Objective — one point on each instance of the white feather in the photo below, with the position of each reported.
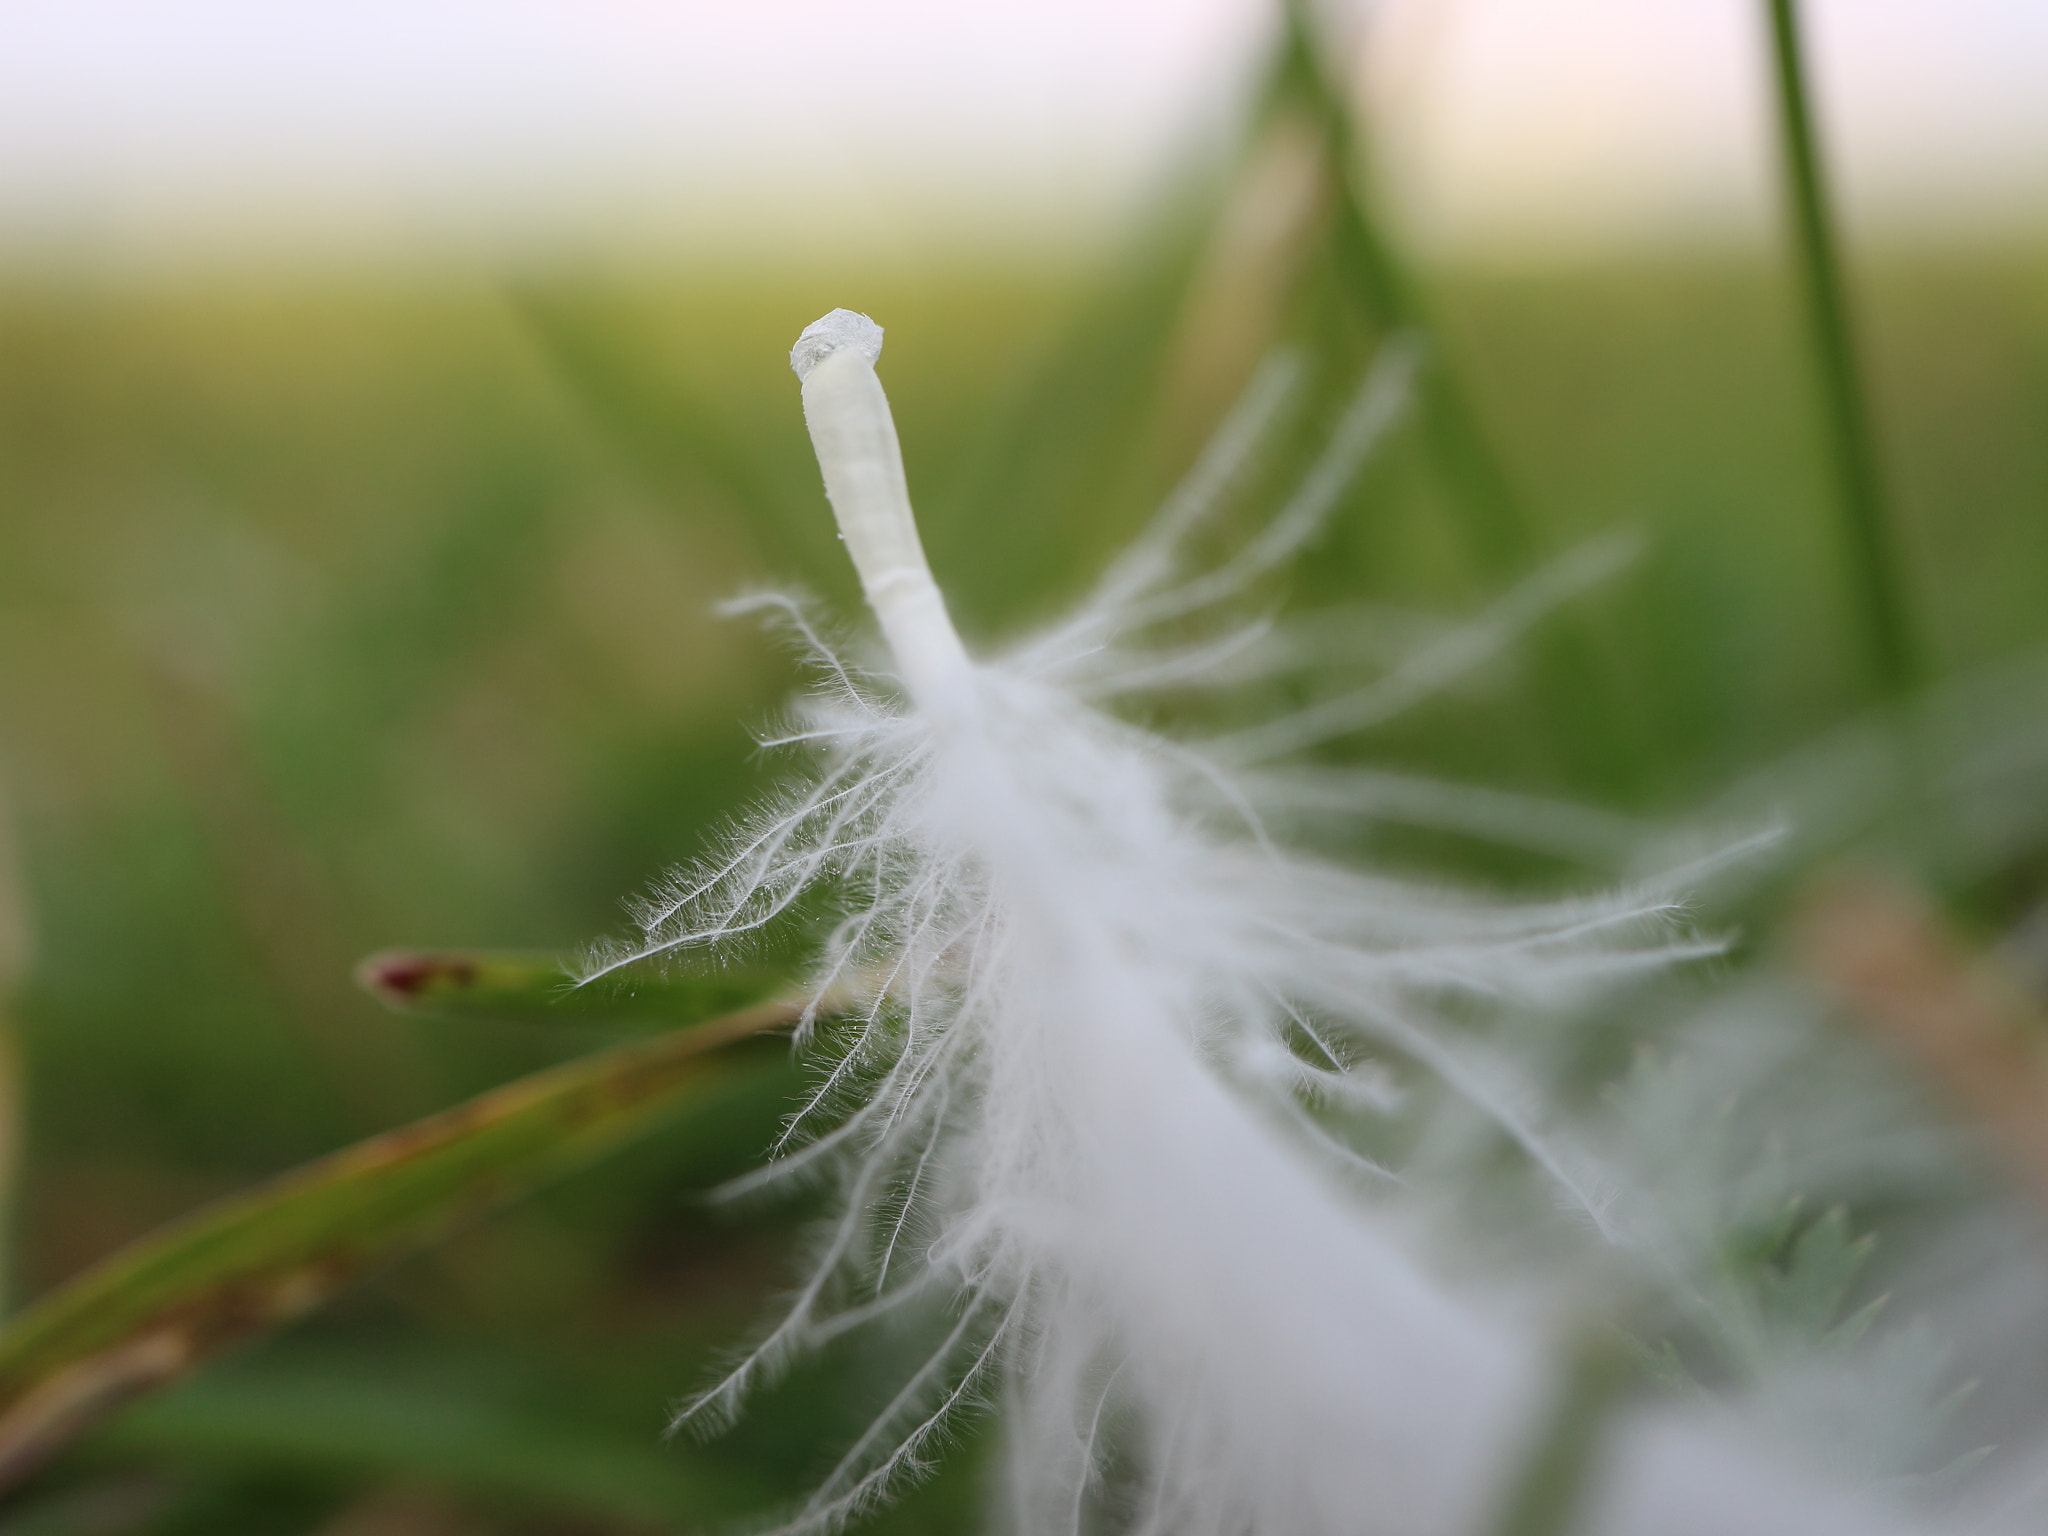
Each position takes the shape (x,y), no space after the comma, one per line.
(1094,990)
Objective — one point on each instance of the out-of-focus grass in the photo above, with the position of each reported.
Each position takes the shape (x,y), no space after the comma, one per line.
(333,618)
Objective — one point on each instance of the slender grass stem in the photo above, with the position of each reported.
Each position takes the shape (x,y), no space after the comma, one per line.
(1499,525)
(1561,1466)
(1499,530)
(17,944)
(1874,560)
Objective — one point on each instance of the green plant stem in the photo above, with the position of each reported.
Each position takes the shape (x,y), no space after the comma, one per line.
(1498,523)
(1499,530)
(17,949)
(1549,1493)
(11,1145)
(1867,522)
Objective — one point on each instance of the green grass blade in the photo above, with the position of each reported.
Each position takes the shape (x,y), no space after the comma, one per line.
(527,986)
(1560,1469)
(17,949)
(254,1261)
(1874,560)
(1070,454)
(1498,525)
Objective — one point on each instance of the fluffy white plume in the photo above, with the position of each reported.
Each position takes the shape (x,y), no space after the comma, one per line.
(1106,1022)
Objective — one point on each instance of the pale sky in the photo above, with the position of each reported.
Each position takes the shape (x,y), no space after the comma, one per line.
(1577,121)
(283,129)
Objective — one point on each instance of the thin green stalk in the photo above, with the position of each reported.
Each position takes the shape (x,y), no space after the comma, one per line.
(1499,529)
(1499,524)
(1550,1490)
(17,946)
(1867,521)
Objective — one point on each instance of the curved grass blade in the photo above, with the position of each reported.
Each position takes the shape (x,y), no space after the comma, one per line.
(1869,520)
(1500,526)
(254,1261)
(535,986)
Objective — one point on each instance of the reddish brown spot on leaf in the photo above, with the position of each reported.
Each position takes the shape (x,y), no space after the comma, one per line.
(401,974)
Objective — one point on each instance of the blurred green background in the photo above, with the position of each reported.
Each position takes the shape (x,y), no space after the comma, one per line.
(350,612)
(345,616)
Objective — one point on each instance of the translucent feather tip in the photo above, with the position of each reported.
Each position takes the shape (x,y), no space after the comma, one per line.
(842,328)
